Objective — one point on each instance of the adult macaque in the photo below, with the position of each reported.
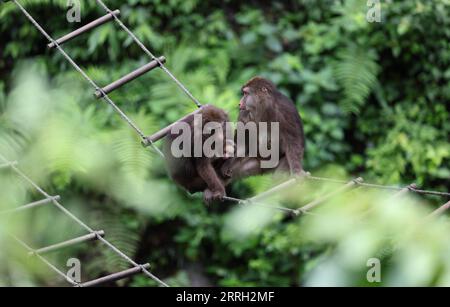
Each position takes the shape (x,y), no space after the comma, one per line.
(262,102)
(195,166)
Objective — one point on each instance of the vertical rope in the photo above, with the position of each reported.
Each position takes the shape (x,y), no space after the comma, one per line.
(78,68)
(151,55)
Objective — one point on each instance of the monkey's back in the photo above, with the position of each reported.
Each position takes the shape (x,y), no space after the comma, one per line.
(182,170)
(291,123)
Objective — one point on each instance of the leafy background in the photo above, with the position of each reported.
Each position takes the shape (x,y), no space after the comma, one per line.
(375,99)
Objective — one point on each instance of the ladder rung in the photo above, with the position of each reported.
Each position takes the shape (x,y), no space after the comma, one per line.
(276,189)
(32,205)
(84,28)
(130,77)
(115,276)
(403,191)
(51,248)
(440,210)
(350,185)
(397,195)
(8,165)
(163,132)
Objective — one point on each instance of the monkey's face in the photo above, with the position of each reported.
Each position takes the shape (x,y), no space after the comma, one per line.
(217,130)
(248,101)
(226,137)
(218,140)
(253,104)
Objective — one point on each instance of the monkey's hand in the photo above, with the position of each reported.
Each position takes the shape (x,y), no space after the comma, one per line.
(211,196)
(299,174)
(229,149)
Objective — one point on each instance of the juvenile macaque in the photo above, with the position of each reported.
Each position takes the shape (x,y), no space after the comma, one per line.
(262,102)
(195,150)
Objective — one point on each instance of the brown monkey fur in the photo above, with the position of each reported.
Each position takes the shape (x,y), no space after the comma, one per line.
(199,174)
(263,102)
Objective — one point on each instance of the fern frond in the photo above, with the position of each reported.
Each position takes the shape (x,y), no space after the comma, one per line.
(121,236)
(356,71)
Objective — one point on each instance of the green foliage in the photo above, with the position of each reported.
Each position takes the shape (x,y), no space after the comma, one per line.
(357,74)
(374,98)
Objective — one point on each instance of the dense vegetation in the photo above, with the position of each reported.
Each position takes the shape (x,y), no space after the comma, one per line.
(375,99)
